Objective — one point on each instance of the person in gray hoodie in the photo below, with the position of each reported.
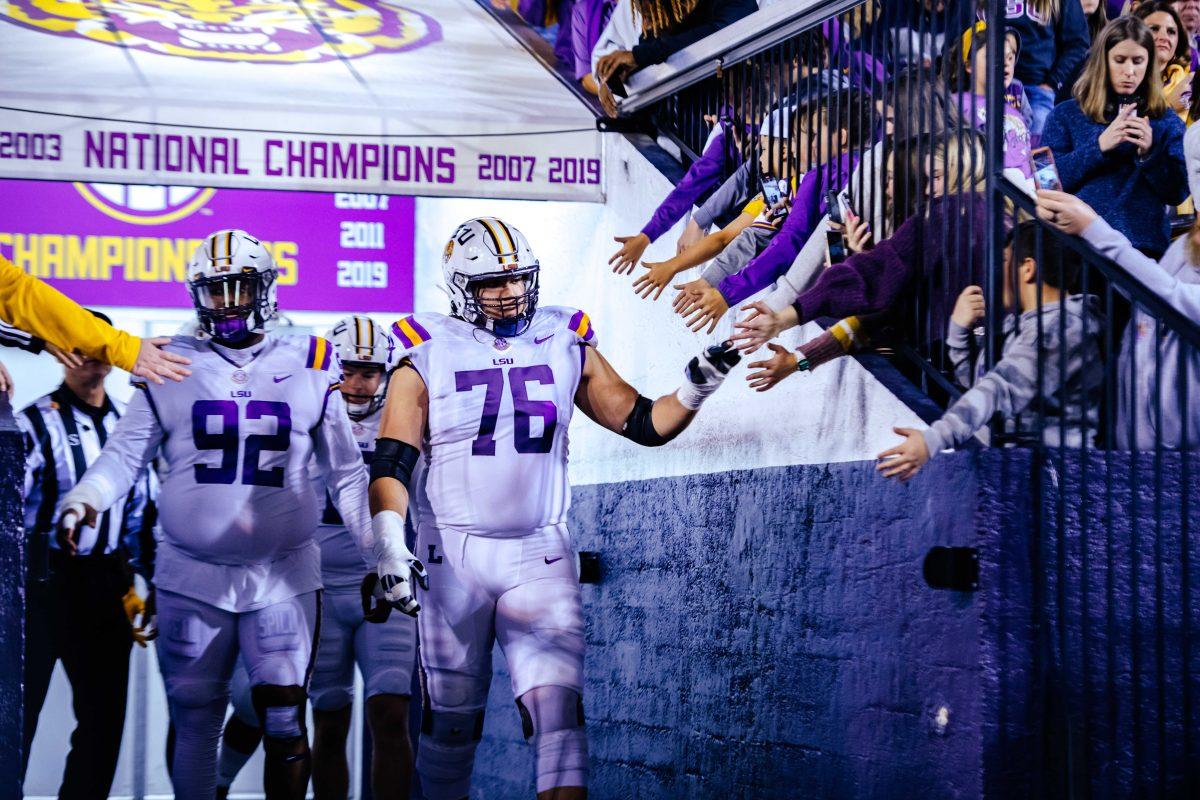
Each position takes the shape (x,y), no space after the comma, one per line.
(1175,377)
(1061,407)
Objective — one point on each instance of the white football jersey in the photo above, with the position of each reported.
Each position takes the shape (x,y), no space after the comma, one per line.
(342,563)
(238,443)
(495,449)
(237,508)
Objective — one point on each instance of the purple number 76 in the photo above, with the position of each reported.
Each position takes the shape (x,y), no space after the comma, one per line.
(524,409)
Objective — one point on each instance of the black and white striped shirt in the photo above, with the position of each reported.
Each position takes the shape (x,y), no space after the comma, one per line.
(63,436)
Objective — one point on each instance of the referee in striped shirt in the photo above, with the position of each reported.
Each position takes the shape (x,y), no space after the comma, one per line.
(80,605)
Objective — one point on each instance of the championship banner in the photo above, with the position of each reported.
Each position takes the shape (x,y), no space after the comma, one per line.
(417,97)
(113,245)
(535,167)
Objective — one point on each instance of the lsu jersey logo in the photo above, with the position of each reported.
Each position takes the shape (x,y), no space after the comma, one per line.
(254,31)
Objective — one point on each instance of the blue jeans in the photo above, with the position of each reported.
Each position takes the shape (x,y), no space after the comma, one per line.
(1041,103)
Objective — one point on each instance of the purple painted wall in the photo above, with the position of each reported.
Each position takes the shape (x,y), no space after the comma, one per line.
(769,634)
(12,600)
(1118,648)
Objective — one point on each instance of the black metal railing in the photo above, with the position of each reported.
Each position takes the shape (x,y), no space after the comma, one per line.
(872,76)
(1090,369)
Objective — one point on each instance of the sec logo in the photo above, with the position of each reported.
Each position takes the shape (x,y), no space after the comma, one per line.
(144,205)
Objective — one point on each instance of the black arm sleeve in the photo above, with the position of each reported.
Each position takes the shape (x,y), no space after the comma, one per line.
(639,427)
(394,459)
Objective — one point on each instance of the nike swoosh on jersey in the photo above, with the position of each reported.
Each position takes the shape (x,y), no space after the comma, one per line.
(536,340)
(278,379)
(550,560)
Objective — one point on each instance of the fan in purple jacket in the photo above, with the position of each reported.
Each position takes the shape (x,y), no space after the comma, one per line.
(721,157)
(543,14)
(588,18)
(703,305)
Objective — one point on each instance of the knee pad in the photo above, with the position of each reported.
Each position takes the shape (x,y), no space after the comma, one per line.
(446,755)
(281,714)
(552,717)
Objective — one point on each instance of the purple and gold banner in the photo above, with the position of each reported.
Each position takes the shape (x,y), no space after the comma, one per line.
(112,245)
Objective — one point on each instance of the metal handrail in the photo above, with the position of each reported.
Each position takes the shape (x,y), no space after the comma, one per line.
(1188,329)
(745,38)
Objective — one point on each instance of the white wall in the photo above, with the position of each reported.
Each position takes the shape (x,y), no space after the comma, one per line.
(837,413)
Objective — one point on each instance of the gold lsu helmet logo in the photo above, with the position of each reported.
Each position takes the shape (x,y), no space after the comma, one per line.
(449,251)
(255,31)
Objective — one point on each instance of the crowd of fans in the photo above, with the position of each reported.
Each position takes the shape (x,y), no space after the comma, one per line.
(852,191)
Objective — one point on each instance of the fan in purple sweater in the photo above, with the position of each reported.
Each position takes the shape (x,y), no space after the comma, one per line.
(875,280)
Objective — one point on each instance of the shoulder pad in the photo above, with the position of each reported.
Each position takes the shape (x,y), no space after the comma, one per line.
(409,333)
(320,353)
(581,325)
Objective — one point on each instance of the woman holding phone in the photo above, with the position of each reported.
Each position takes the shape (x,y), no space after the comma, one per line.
(1117,143)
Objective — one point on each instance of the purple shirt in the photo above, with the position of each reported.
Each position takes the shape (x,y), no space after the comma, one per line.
(1017,148)
(701,176)
(588,18)
(927,245)
(807,210)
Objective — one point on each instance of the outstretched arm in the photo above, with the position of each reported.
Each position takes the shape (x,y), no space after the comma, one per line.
(396,452)
(40,309)
(611,402)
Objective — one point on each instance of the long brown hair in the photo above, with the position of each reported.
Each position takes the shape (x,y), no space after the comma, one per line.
(1093,88)
(660,16)
(1096,21)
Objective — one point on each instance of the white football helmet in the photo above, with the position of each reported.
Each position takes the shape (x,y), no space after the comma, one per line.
(360,341)
(231,278)
(488,249)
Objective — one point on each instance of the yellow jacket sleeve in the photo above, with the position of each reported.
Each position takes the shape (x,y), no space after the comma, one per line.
(40,309)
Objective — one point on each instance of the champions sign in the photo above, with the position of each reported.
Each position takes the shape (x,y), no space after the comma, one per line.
(303,95)
(105,244)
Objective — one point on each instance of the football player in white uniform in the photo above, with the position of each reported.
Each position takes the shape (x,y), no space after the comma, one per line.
(238,570)
(483,398)
(386,651)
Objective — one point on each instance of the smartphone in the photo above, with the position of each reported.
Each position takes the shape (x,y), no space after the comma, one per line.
(770,191)
(845,209)
(837,204)
(1045,173)
(834,207)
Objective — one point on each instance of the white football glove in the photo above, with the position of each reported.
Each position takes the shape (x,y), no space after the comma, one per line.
(705,373)
(397,565)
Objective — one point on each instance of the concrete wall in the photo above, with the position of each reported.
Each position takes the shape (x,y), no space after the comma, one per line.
(1117,577)
(768,633)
